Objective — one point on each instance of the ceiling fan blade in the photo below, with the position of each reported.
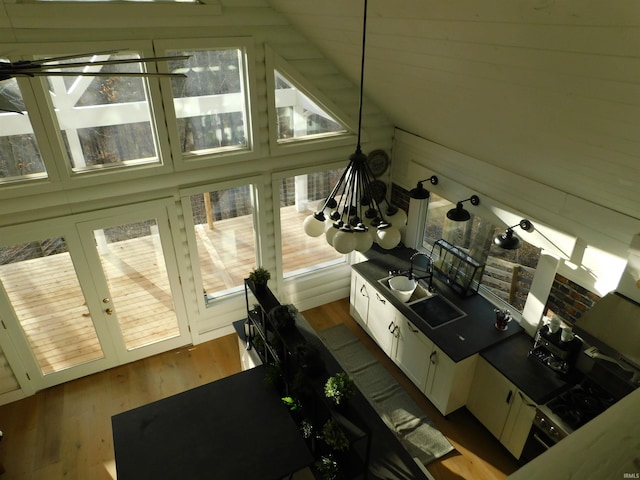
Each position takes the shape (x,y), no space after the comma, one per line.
(113,62)
(77,55)
(47,73)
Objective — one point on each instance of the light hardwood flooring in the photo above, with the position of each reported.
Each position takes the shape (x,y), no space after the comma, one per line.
(64,432)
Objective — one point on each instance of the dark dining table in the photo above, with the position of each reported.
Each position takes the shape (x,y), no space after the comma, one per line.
(233,428)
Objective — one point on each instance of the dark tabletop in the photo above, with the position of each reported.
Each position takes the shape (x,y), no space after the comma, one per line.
(234,428)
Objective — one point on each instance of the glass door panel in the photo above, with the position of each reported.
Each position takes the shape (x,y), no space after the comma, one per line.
(140,296)
(40,282)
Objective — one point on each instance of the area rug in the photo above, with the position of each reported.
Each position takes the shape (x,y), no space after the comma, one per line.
(394,405)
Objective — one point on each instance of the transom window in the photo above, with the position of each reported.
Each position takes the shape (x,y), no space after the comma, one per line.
(298,116)
(20,157)
(211,102)
(105,121)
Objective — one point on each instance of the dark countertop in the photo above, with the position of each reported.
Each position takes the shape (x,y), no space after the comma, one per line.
(536,381)
(459,339)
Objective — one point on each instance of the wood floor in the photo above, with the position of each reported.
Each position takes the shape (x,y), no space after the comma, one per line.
(64,432)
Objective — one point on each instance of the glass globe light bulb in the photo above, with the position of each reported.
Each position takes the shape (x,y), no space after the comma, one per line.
(313,225)
(388,238)
(344,241)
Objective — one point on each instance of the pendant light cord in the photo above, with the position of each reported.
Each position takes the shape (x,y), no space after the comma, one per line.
(364,39)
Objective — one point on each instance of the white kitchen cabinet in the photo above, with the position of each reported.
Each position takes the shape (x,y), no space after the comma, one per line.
(518,424)
(448,382)
(412,352)
(381,322)
(359,300)
(501,407)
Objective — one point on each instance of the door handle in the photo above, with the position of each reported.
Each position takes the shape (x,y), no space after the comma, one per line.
(363,293)
(384,301)
(431,357)
(109,311)
(509,396)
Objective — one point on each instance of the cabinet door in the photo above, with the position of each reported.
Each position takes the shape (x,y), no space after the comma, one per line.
(382,322)
(360,291)
(442,371)
(518,423)
(412,352)
(490,397)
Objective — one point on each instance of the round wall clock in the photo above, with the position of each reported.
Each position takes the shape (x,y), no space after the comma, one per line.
(378,162)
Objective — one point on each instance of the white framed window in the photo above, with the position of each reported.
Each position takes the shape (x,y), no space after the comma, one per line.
(507,274)
(222,234)
(20,157)
(212,107)
(300,115)
(105,121)
(299,196)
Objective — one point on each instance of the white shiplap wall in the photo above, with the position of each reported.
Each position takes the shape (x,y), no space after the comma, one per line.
(546,90)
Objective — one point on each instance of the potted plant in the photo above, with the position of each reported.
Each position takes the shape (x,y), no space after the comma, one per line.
(309,359)
(260,276)
(283,317)
(328,467)
(334,436)
(340,388)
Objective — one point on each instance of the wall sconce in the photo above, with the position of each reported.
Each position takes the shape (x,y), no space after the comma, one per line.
(508,240)
(420,193)
(459,214)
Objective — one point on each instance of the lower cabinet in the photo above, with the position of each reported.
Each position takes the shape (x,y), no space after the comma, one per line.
(359,299)
(412,352)
(501,407)
(448,382)
(444,382)
(382,323)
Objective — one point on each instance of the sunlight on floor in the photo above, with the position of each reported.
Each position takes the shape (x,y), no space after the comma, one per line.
(110,467)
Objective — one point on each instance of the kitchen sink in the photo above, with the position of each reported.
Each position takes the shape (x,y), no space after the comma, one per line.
(436,310)
(421,291)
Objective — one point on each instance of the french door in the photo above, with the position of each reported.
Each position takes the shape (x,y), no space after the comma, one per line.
(89,292)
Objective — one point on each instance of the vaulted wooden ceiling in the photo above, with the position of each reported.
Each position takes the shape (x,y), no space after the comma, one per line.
(548,90)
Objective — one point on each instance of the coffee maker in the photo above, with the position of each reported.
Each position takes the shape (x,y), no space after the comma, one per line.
(551,350)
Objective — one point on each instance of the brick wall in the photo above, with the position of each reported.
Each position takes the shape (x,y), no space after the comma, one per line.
(569,300)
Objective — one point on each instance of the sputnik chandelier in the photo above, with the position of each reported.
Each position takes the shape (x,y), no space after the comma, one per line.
(356,218)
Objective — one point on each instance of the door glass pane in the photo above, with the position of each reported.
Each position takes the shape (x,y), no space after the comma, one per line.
(41,283)
(225,238)
(19,154)
(210,103)
(299,197)
(140,295)
(105,120)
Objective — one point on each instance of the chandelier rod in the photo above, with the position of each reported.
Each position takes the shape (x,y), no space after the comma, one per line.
(364,41)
